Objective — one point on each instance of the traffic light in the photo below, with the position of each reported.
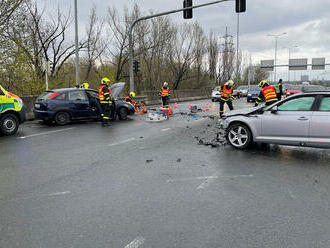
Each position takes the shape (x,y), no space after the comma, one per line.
(187,14)
(136,66)
(240,6)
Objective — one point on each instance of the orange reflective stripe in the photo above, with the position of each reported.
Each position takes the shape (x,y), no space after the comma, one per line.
(165,92)
(269,93)
(226,92)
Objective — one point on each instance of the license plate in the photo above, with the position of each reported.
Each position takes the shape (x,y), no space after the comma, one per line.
(37,105)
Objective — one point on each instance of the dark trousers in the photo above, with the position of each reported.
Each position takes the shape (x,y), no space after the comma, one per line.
(222,103)
(279,96)
(106,112)
(165,100)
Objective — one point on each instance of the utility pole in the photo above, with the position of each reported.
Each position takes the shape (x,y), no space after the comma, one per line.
(46,72)
(237,47)
(76,43)
(276,36)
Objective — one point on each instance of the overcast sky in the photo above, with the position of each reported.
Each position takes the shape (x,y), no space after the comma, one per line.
(307,24)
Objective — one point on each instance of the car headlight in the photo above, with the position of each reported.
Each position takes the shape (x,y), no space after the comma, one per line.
(249,94)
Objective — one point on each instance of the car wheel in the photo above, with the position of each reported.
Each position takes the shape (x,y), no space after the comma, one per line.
(122,113)
(239,136)
(62,118)
(213,100)
(9,124)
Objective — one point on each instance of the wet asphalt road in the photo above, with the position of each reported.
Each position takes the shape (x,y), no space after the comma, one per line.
(141,184)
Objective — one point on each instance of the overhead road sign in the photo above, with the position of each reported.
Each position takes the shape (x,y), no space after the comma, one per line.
(267,65)
(298,64)
(318,64)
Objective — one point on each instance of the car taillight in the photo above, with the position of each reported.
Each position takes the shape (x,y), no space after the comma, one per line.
(55,94)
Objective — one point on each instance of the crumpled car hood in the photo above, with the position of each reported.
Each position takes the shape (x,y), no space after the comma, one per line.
(245,111)
(117,89)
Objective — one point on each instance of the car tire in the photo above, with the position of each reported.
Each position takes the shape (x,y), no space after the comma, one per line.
(239,136)
(122,114)
(62,118)
(9,124)
(213,100)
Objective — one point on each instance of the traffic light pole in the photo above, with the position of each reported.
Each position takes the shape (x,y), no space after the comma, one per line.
(131,45)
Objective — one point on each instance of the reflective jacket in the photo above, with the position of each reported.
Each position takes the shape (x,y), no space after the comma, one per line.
(164,92)
(279,88)
(105,94)
(267,94)
(226,93)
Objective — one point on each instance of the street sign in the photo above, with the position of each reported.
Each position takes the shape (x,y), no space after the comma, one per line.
(267,65)
(240,6)
(187,14)
(298,64)
(318,64)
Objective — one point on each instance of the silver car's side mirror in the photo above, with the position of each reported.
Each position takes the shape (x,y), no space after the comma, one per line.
(274,110)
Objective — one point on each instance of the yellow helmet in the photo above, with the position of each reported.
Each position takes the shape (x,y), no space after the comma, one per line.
(230,83)
(85,85)
(105,81)
(132,94)
(262,83)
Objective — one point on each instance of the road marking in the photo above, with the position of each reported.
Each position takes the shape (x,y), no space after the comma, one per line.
(190,179)
(59,193)
(137,242)
(122,142)
(166,129)
(45,133)
(208,181)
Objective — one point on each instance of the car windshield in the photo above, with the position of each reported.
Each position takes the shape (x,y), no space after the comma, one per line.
(255,88)
(293,87)
(45,95)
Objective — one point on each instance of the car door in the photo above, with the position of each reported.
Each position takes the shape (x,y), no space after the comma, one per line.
(319,133)
(79,104)
(290,123)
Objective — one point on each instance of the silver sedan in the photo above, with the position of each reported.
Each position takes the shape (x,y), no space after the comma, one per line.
(300,120)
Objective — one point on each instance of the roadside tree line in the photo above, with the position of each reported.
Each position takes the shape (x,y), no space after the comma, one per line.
(183,55)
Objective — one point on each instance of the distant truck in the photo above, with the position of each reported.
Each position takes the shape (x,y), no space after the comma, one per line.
(12,112)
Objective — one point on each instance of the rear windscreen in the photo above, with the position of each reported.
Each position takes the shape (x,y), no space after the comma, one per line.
(45,95)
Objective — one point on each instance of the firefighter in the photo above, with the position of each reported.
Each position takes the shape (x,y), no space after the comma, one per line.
(130,97)
(165,94)
(279,90)
(267,94)
(226,96)
(84,85)
(106,100)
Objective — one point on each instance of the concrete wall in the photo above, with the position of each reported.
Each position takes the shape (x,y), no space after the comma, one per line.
(149,97)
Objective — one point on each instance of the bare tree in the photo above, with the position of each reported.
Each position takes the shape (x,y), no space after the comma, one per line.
(7,8)
(42,39)
(213,56)
(96,45)
(199,50)
(181,55)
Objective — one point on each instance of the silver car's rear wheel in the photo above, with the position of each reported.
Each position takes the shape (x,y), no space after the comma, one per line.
(239,136)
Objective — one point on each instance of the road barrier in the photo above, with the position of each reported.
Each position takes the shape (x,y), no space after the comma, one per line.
(148,97)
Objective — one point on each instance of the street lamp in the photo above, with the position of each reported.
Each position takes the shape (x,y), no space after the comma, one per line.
(76,42)
(276,36)
(289,49)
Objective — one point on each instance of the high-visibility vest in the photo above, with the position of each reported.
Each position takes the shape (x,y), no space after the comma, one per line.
(104,96)
(165,92)
(226,93)
(278,88)
(269,93)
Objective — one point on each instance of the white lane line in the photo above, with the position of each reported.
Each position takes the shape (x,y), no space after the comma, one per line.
(208,181)
(59,193)
(137,242)
(166,129)
(190,179)
(122,142)
(45,133)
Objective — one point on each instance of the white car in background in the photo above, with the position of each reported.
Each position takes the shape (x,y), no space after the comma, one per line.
(216,94)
